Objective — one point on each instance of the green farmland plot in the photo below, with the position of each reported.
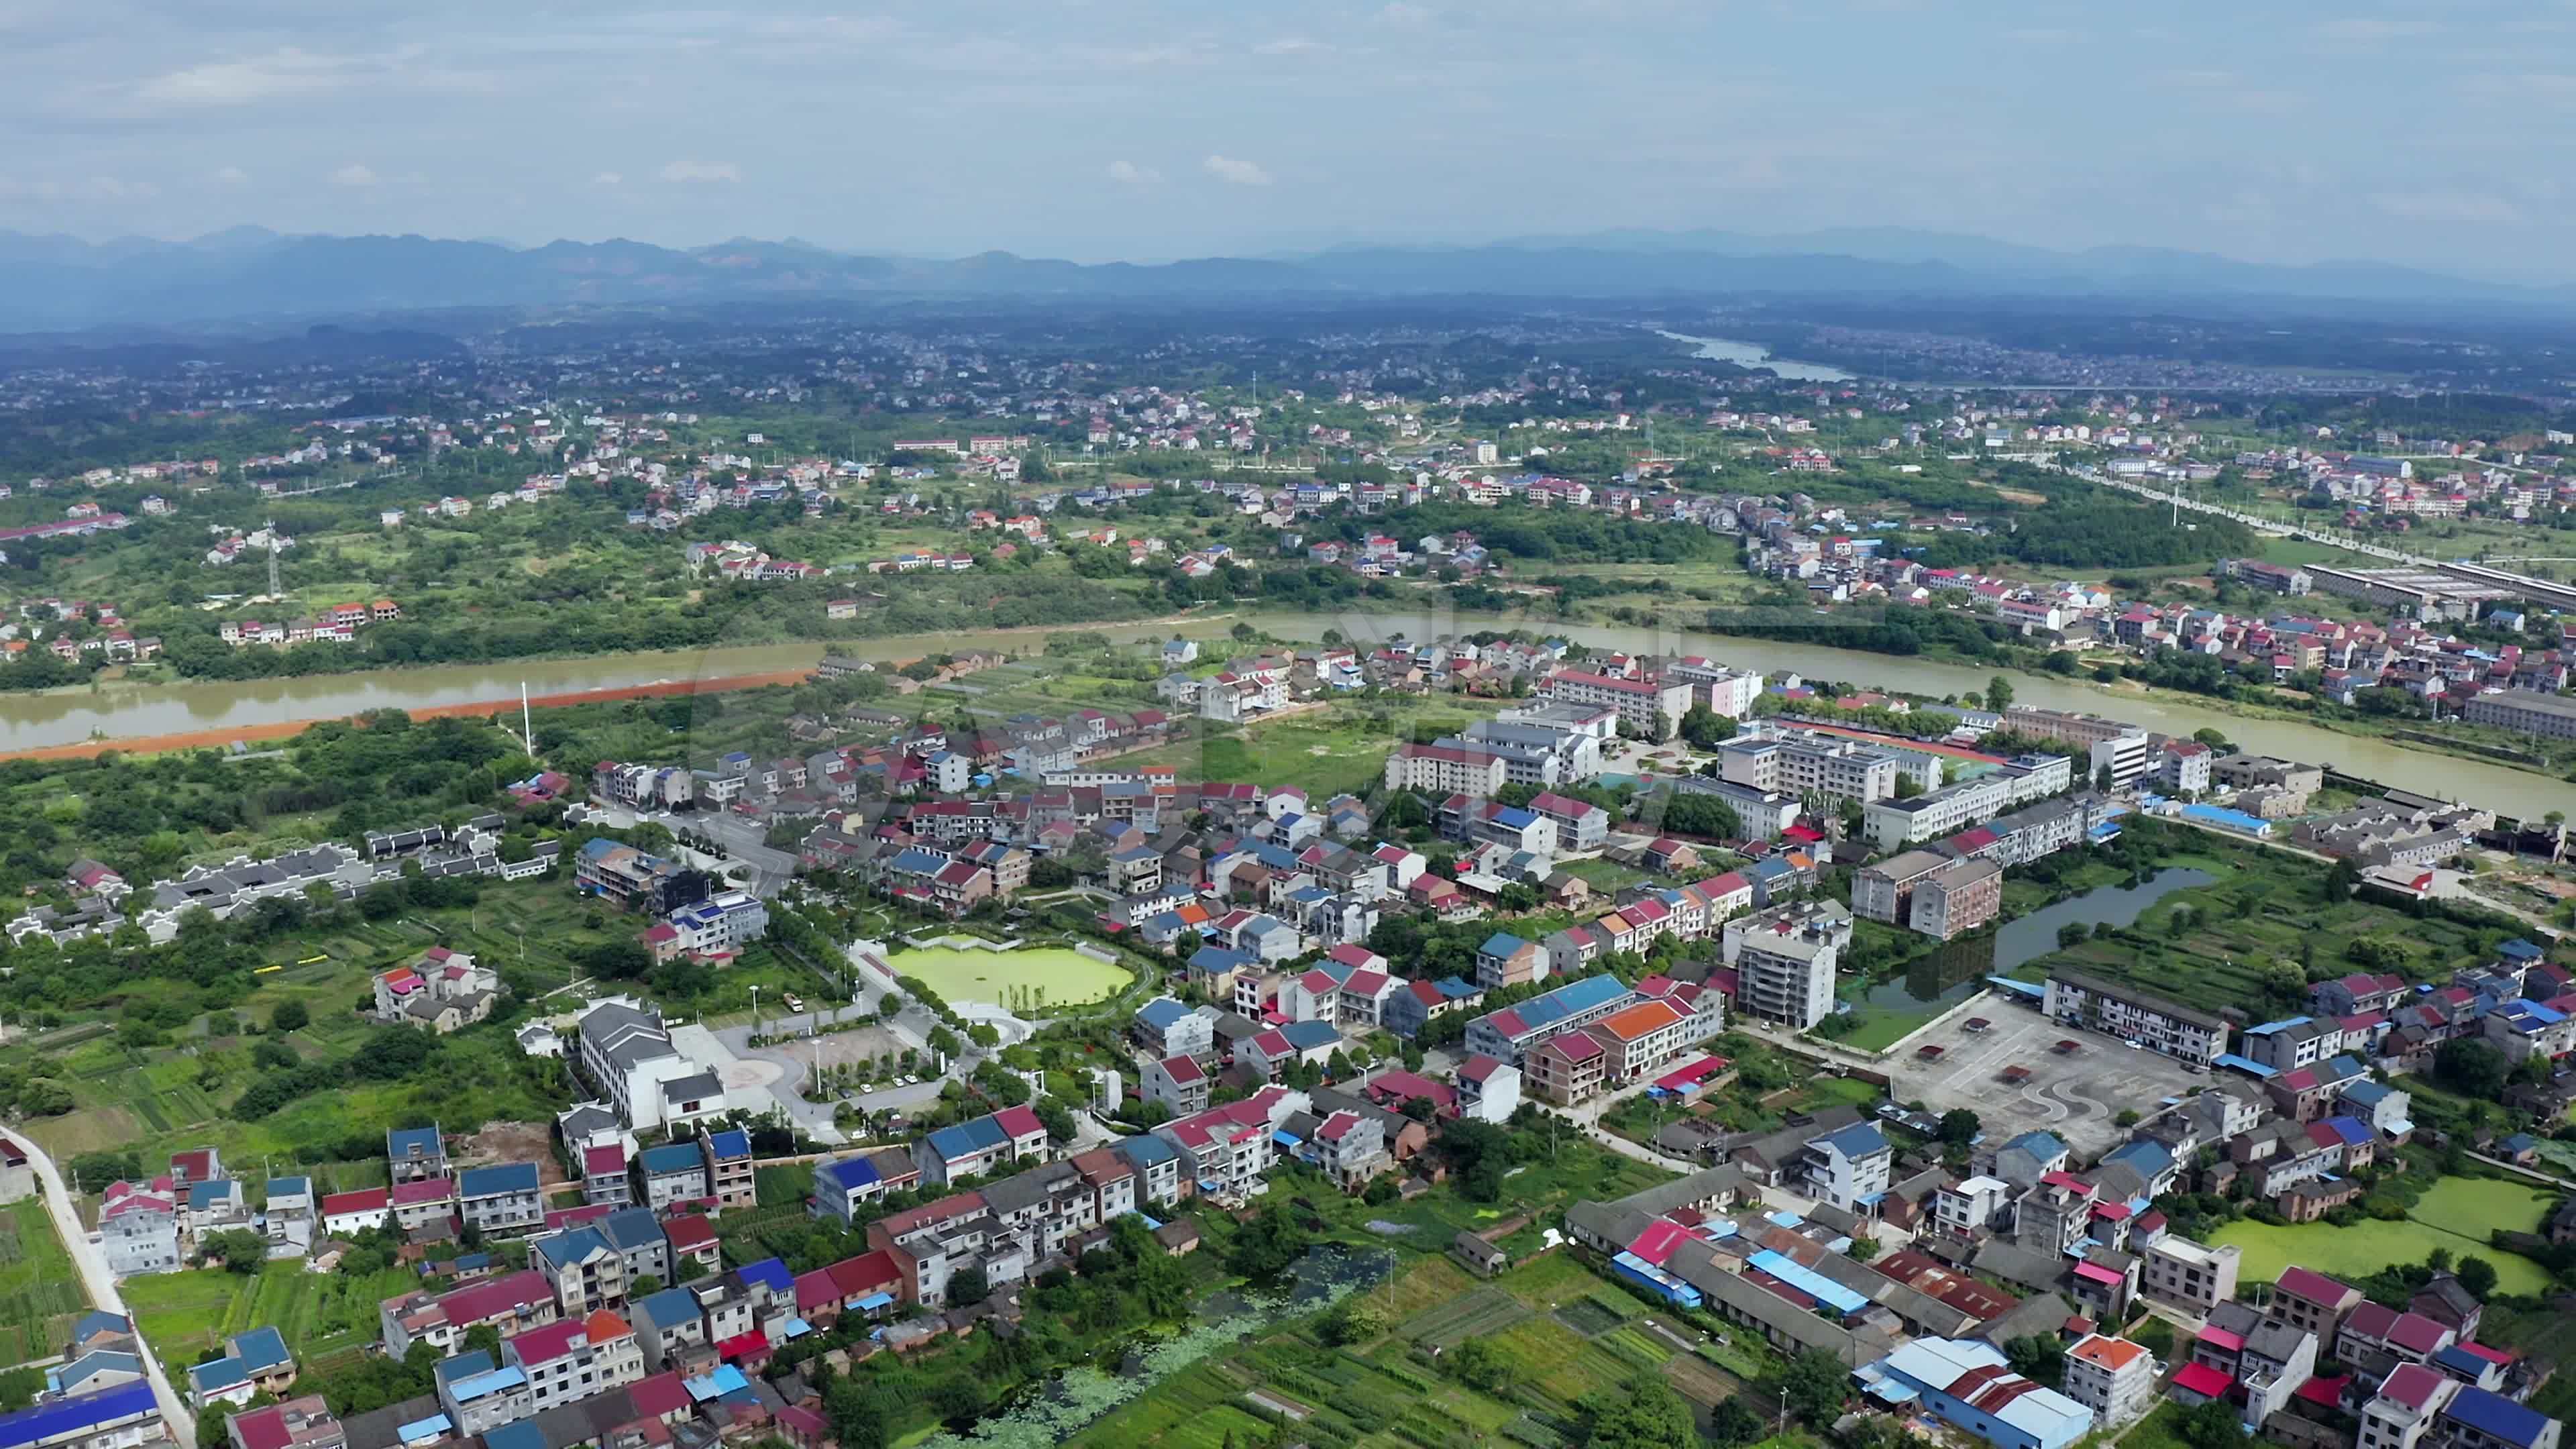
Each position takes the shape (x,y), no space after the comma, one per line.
(40,1292)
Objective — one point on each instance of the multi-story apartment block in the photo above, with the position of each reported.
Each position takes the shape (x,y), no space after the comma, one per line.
(1446,770)
(1884,890)
(627,1054)
(2183,1032)
(1798,765)
(585,1272)
(478,1395)
(1958,898)
(1785,967)
(1650,707)
(1846,1166)
(672,1172)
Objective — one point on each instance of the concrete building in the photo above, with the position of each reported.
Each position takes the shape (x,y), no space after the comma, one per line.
(2113,1377)
(1958,898)
(1652,708)
(2188,1275)
(1785,967)
(2183,1032)
(2551,716)
(1837,769)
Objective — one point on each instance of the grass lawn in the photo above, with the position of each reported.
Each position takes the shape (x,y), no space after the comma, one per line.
(40,1293)
(1067,976)
(1339,748)
(185,1317)
(2476,1204)
(1606,876)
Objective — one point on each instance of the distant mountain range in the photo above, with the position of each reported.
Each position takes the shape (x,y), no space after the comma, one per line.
(60,283)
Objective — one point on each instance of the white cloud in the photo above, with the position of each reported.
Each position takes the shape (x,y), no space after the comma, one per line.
(1236,173)
(231,175)
(1128,173)
(1400,12)
(2474,207)
(288,72)
(686,172)
(353,175)
(1291,45)
(606,178)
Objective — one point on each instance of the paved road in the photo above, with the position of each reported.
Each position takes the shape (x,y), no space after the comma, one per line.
(102,1284)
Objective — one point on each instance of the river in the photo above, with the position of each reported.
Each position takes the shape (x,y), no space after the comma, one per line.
(2493,787)
(1749,354)
(119,711)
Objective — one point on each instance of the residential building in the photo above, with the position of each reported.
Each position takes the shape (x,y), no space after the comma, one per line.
(1848,1168)
(1784,965)
(1958,898)
(505,1198)
(2113,1377)
(2098,1004)
(138,1228)
(2189,1275)
(1650,708)
(628,1055)
(1968,1385)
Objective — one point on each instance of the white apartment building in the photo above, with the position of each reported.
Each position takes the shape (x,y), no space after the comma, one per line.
(2179,1031)
(628,1055)
(1842,769)
(1786,974)
(1446,770)
(2113,1377)
(2188,1275)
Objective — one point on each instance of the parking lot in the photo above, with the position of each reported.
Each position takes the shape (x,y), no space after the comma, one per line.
(2076,1095)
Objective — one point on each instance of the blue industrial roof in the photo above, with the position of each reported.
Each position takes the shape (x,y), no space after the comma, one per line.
(78,1413)
(498,1178)
(1808,1281)
(2496,1415)
(673,1157)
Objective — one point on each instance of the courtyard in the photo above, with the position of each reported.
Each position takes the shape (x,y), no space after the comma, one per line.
(2078,1095)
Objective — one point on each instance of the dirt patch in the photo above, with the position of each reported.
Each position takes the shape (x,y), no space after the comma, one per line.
(1700,1381)
(513,1142)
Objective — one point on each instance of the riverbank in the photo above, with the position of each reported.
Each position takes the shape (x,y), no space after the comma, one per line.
(288,729)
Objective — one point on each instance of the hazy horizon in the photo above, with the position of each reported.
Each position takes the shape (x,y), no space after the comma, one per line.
(1148,130)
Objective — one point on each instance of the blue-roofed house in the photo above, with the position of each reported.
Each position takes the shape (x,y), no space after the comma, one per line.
(98,1369)
(1158,1168)
(415,1153)
(99,1328)
(731,1180)
(506,1197)
(584,1270)
(671,1172)
(1507,1034)
(252,1363)
(1268,938)
(1213,969)
(642,1241)
(2152,1161)
(666,1325)
(1167,1027)
(479,1395)
(2033,1155)
(2384,1107)
(287,1214)
(1849,1167)
(971,1148)
(1507,960)
(2478,1418)
(842,1185)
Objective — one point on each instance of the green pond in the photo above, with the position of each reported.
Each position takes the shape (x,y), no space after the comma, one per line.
(2455,1214)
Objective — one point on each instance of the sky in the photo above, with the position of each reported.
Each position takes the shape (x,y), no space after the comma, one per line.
(2432,134)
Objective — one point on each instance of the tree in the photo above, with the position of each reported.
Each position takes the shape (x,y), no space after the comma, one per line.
(1268,1244)
(2213,1425)
(1814,1385)
(968,1287)
(2037,1357)
(1959,1127)
(2341,879)
(1646,1414)
(289,1016)
(1731,1423)
(2472,1068)
(1349,1321)
(1476,1364)
(2102,779)
(1999,694)
(2477,1275)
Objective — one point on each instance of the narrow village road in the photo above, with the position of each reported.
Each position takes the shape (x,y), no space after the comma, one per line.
(101,1283)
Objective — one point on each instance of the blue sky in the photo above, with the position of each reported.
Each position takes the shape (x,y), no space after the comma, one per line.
(2432,133)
